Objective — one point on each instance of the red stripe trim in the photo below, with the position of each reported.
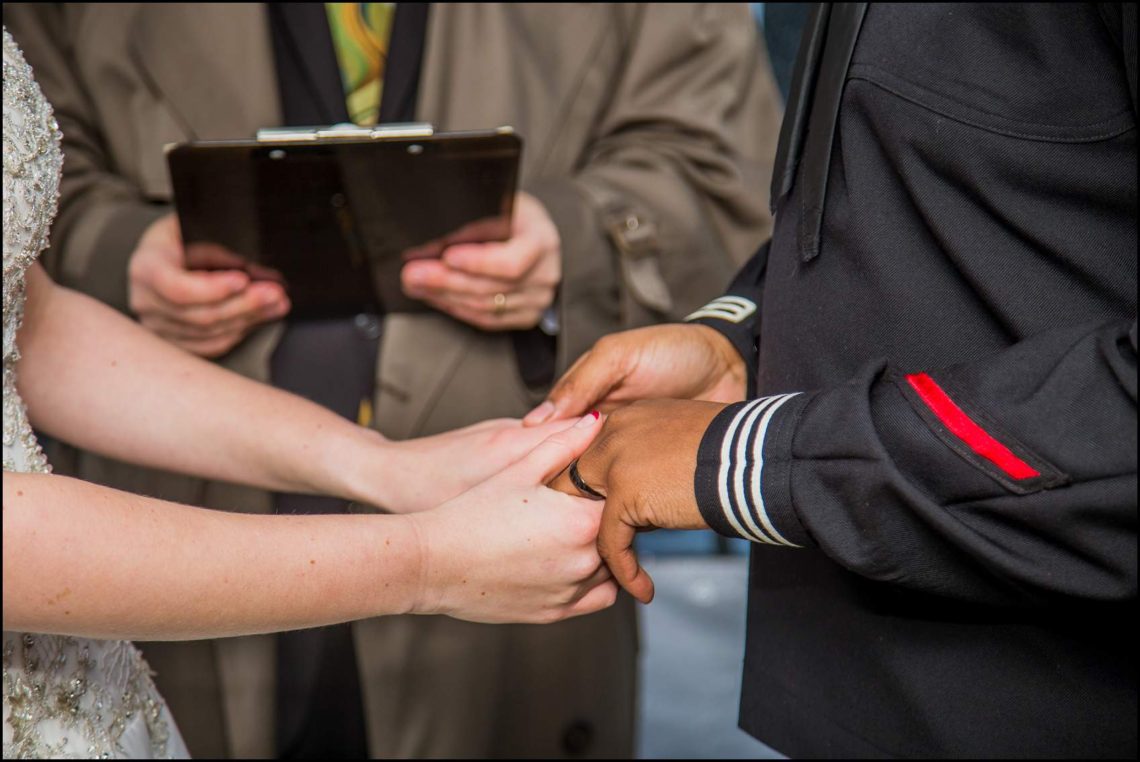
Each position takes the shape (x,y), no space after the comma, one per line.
(963,427)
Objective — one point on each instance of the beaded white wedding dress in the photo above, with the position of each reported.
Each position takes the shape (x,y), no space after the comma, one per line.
(63,697)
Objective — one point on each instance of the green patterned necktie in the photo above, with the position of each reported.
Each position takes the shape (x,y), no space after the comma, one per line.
(361,33)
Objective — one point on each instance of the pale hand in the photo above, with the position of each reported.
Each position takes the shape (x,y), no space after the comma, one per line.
(495,286)
(673,361)
(205,312)
(512,550)
(644,462)
(429,471)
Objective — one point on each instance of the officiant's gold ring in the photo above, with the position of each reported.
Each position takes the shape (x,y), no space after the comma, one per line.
(500,303)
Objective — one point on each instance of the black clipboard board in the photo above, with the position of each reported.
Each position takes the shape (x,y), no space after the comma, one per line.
(334,213)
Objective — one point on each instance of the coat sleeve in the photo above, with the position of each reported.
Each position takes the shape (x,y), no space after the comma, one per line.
(101,214)
(1008,479)
(671,195)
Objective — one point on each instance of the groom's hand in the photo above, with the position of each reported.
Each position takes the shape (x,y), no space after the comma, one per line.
(644,462)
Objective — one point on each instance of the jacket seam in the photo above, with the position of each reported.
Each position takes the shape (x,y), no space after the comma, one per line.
(1117,130)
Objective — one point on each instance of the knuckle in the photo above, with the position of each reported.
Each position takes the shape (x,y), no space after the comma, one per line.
(606,546)
(610,541)
(218,347)
(147,321)
(497,439)
(605,597)
(606,344)
(621,415)
(583,529)
(583,564)
(200,319)
(567,386)
(513,269)
(559,446)
(639,407)
(176,293)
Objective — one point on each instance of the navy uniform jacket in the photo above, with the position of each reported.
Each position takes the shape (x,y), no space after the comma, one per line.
(938,464)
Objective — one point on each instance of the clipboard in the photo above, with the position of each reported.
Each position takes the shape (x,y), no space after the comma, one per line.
(334,213)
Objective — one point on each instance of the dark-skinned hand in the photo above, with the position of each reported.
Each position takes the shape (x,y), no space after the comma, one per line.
(643,462)
(677,361)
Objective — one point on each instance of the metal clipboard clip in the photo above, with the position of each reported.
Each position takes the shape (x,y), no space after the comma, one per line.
(345,132)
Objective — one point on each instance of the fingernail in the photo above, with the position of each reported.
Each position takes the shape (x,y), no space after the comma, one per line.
(589,419)
(541,413)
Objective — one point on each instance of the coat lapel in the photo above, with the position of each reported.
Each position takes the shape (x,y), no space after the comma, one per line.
(304,30)
(843,28)
(796,113)
(228,49)
(484,68)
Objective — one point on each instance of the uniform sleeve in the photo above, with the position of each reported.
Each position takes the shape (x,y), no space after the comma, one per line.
(1007,479)
(736,313)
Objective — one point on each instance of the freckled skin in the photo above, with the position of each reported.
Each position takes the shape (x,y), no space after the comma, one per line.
(312,562)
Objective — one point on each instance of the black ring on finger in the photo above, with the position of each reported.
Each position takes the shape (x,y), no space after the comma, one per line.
(580,483)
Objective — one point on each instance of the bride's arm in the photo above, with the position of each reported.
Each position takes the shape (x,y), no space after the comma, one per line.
(95,379)
(82,559)
(86,560)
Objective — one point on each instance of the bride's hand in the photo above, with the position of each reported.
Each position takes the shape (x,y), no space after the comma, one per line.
(512,550)
(429,471)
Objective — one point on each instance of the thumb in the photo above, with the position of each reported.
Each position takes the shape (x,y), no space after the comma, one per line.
(615,546)
(556,452)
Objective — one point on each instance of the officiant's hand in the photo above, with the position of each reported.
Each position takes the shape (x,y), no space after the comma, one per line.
(512,550)
(495,286)
(644,462)
(205,312)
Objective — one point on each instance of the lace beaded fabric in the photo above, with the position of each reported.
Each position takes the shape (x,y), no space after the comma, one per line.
(63,697)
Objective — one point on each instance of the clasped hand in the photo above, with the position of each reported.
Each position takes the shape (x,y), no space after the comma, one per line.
(645,459)
(644,462)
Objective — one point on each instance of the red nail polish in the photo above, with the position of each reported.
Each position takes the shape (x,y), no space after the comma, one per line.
(596,414)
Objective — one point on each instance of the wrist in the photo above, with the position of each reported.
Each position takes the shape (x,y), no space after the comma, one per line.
(731,366)
(424,595)
(392,571)
(366,468)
